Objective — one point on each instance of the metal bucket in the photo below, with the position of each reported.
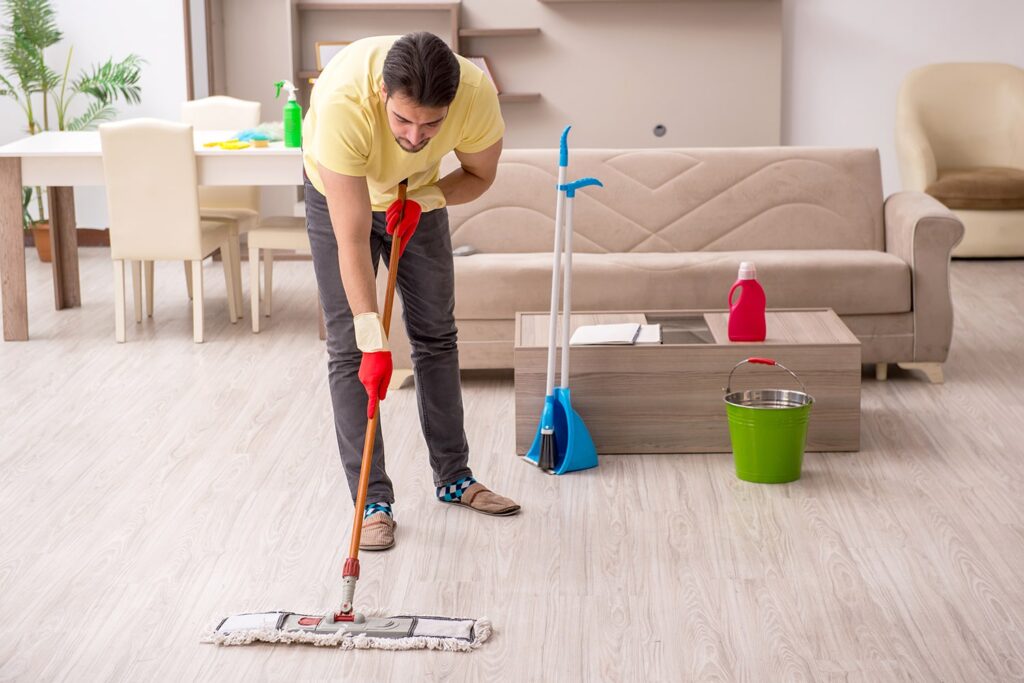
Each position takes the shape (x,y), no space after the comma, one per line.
(768,429)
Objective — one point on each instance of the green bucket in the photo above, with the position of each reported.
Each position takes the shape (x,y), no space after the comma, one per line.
(768,429)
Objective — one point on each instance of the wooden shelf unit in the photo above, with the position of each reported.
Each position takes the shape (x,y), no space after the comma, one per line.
(452,7)
(470,33)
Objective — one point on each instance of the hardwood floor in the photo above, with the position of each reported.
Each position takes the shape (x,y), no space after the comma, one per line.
(149,488)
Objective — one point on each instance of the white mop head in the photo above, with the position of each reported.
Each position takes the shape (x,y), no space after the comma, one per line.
(428,633)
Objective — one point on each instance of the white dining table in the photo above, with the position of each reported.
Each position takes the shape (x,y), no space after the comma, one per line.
(61,161)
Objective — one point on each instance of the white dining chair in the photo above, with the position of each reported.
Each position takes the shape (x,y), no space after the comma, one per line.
(278,233)
(239,204)
(149,168)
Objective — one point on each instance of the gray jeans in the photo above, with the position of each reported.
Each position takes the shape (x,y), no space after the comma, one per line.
(426,283)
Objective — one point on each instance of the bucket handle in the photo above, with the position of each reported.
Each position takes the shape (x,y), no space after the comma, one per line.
(762,361)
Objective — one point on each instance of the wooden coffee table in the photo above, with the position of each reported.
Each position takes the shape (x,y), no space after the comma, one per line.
(667,398)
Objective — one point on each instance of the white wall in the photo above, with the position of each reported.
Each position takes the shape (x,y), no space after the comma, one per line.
(709,71)
(98,30)
(843,62)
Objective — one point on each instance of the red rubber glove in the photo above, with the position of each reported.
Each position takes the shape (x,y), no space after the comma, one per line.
(375,374)
(407,226)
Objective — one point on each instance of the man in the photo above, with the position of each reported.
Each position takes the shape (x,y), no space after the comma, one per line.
(387,109)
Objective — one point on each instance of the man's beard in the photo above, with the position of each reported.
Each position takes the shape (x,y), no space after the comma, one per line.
(412,150)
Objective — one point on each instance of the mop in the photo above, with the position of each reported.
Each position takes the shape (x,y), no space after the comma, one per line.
(346,628)
(562,443)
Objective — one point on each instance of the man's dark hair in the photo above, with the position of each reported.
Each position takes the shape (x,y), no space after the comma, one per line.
(422,67)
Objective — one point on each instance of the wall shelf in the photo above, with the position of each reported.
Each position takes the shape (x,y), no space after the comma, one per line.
(580,2)
(377,5)
(497,32)
(519,97)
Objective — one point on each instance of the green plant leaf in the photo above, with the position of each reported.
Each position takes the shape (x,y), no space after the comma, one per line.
(33,20)
(111,80)
(95,114)
(31,27)
(8,89)
(48,78)
(26,199)
(24,60)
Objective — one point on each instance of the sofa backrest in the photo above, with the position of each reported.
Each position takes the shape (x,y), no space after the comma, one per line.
(665,200)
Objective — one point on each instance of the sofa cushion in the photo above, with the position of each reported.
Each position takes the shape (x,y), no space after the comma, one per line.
(852,282)
(985,187)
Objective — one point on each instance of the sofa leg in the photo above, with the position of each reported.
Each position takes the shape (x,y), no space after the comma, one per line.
(881,371)
(933,371)
(398,378)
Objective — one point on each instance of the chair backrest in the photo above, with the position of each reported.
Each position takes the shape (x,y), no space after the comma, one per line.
(149,167)
(227,114)
(971,114)
(675,200)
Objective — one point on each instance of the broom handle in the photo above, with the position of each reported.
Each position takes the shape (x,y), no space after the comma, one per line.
(567,292)
(556,265)
(371,424)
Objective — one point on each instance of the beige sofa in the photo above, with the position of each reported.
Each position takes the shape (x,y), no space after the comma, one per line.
(669,230)
(960,138)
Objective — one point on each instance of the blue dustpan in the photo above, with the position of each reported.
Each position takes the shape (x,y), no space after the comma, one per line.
(575,449)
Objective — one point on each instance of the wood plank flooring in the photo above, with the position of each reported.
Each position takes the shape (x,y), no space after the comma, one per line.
(149,488)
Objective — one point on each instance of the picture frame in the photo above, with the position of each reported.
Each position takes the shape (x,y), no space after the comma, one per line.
(481,63)
(326,49)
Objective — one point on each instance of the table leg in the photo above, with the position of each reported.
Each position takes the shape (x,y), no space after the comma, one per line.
(64,241)
(13,284)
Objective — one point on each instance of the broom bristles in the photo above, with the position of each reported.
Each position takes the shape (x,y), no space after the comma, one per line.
(546,461)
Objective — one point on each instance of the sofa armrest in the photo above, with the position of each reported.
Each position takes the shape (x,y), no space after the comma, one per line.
(922,232)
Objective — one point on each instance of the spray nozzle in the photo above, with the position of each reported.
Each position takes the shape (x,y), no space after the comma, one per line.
(287,85)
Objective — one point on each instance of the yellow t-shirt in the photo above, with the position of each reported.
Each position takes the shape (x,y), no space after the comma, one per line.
(346,128)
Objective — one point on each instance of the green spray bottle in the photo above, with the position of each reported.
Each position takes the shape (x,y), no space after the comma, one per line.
(292,115)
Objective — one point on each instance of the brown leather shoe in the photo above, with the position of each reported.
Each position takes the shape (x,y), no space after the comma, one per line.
(378,532)
(478,497)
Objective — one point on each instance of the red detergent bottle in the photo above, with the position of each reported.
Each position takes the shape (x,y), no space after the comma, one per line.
(746,313)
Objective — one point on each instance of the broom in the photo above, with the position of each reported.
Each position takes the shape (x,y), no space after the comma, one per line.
(544,449)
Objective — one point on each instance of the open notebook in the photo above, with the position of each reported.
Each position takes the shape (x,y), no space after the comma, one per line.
(618,333)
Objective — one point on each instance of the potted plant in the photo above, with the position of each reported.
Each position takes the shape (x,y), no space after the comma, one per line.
(30,28)
(39,230)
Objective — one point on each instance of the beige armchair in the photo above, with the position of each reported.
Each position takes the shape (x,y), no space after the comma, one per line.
(960,138)
(154,213)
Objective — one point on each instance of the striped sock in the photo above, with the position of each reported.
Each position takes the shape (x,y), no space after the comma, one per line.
(374,508)
(452,492)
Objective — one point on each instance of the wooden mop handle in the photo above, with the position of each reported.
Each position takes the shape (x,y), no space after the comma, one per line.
(371,424)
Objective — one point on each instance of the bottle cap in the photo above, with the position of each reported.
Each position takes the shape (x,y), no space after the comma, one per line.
(747,270)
